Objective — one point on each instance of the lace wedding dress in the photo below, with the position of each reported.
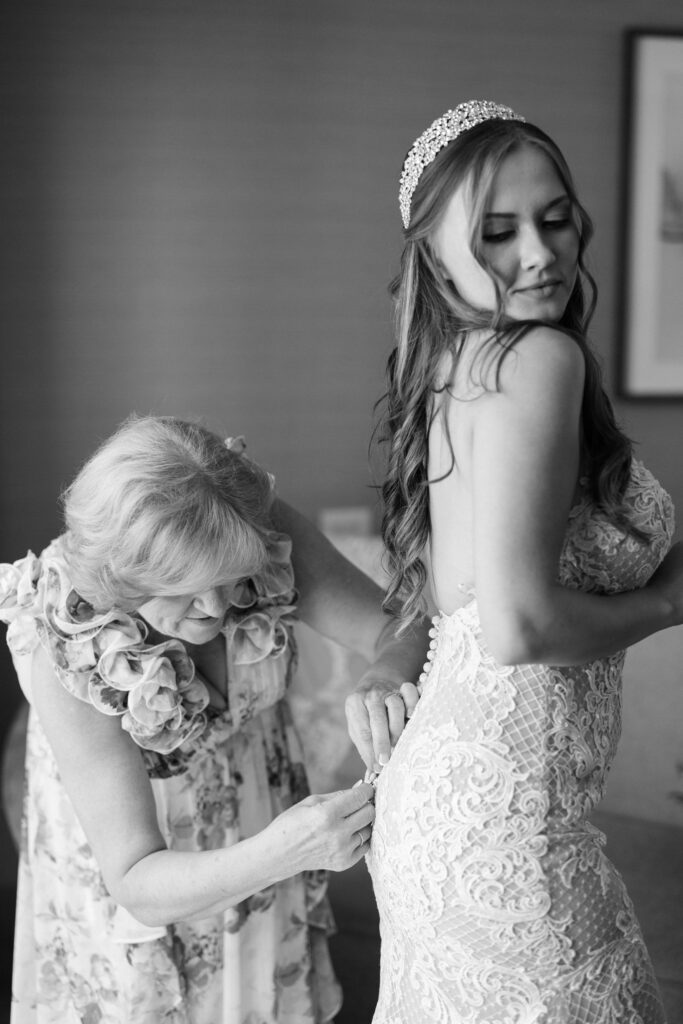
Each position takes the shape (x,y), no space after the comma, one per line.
(497,904)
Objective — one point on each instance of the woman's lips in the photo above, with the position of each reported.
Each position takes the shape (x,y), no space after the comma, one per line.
(542,290)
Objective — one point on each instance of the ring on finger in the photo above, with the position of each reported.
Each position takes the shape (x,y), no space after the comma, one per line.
(362,837)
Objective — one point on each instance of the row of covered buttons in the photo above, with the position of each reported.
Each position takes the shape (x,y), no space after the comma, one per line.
(431,653)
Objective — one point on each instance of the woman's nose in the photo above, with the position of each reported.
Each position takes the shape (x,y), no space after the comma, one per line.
(210,602)
(534,250)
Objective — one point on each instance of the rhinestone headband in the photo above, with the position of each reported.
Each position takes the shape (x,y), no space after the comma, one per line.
(439,134)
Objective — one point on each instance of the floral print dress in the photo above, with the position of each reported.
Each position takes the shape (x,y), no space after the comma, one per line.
(217,778)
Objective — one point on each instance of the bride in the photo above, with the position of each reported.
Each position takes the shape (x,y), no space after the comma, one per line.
(546,540)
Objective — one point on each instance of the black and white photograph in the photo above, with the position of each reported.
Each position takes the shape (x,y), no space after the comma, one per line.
(341,563)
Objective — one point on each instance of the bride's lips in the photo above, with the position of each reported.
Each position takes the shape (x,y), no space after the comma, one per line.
(544,289)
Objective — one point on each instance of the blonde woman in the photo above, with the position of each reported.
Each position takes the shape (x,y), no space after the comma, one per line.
(172,865)
(547,543)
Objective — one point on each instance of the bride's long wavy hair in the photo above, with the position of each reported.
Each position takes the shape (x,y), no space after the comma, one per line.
(430,318)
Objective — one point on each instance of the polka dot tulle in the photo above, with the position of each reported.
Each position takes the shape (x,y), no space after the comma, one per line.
(497,902)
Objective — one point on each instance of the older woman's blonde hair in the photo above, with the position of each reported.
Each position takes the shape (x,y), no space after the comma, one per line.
(163,507)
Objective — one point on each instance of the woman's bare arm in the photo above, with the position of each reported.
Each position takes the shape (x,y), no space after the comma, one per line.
(525,467)
(342,603)
(104,776)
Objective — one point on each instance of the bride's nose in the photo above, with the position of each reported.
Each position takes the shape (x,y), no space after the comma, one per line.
(534,251)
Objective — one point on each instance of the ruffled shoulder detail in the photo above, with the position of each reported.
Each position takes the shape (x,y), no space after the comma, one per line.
(274,584)
(102,658)
(258,625)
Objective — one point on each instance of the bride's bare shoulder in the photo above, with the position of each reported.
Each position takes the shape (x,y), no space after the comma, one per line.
(459,373)
(541,354)
(544,357)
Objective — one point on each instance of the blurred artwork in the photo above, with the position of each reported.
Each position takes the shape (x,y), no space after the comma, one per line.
(652,297)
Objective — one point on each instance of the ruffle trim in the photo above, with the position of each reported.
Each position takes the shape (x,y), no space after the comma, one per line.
(106,659)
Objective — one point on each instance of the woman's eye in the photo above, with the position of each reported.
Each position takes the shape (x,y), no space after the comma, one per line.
(497,236)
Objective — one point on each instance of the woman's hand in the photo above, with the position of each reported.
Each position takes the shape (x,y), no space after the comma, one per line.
(329,831)
(376,714)
(667,581)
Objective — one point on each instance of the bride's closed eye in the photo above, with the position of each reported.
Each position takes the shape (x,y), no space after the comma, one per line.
(497,236)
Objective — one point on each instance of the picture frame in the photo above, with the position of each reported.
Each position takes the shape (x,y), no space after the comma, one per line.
(650,364)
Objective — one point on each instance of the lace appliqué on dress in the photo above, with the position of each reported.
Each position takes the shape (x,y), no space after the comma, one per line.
(497,903)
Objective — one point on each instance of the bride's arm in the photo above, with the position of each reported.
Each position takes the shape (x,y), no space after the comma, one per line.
(525,462)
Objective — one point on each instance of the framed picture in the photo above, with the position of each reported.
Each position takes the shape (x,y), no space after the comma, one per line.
(651,292)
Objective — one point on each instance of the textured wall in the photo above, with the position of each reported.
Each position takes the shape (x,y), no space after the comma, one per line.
(199,217)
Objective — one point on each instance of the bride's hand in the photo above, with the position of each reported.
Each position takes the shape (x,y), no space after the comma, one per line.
(376,714)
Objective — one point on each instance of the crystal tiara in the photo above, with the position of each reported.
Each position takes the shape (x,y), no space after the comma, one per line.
(439,134)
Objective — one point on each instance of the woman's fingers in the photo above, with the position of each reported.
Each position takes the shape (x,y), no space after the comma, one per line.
(362,818)
(345,802)
(361,822)
(325,830)
(355,799)
(387,724)
(358,724)
(363,844)
(356,810)
(396,716)
(368,725)
(376,718)
(411,696)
